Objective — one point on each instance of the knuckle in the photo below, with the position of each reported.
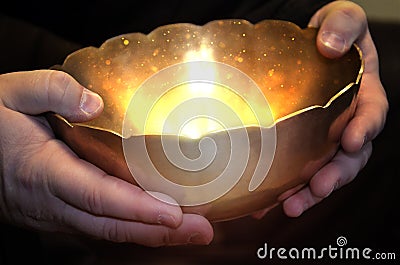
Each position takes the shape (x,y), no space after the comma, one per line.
(92,200)
(120,232)
(166,237)
(353,12)
(385,106)
(57,86)
(163,238)
(112,232)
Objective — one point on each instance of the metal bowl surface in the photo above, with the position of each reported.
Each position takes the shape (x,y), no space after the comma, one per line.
(311,99)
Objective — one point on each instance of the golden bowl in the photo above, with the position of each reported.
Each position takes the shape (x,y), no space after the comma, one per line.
(309,99)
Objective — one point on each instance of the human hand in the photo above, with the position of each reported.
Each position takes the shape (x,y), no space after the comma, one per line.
(45,186)
(342,23)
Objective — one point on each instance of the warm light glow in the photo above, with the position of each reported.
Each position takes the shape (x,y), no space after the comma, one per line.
(204,54)
(159,121)
(192,129)
(169,113)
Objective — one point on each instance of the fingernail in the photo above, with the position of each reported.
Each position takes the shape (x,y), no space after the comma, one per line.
(166,219)
(365,140)
(336,185)
(305,208)
(331,190)
(333,41)
(90,102)
(197,239)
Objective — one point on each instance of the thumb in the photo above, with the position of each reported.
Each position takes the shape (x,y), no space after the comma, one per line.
(36,92)
(341,23)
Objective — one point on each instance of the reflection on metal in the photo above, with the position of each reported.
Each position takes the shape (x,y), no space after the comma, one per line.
(312,98)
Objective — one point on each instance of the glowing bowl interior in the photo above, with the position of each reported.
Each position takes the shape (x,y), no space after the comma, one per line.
(310,99)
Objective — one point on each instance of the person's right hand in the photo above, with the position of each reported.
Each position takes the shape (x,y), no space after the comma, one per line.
(45,186)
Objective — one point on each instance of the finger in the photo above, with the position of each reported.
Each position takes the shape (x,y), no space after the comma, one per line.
(194,229)
(348,23)
(90,189)
(341,170)
(341,23)
(370,115)
(295,205)
(348,20)
(36,92)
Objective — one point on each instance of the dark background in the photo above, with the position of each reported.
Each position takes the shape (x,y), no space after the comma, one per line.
(366,211)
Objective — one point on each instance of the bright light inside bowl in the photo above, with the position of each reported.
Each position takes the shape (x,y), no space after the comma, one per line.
(215,106)
(204,54)
(194,128)
(189,80)
(162,121)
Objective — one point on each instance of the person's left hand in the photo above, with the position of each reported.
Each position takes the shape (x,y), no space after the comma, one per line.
(342,23)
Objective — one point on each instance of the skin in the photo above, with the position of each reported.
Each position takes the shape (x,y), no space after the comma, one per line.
(45,186)
(342,23)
